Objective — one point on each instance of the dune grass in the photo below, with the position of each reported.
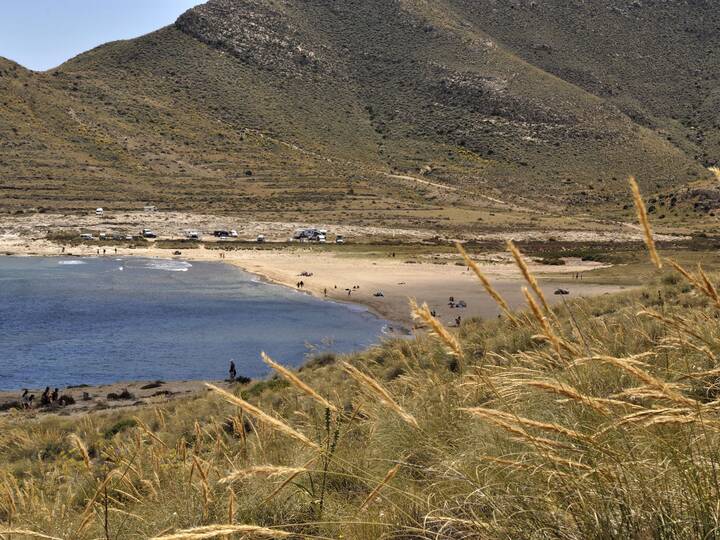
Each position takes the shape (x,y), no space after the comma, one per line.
(594,419)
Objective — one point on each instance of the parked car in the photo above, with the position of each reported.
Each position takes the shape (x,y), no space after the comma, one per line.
(221,234)
(148,233)
(99,212)
(233,233)
(339,239)
(260,239)
(86,236)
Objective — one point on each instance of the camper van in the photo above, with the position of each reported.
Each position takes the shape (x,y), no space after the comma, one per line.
(304,234)
(310,235)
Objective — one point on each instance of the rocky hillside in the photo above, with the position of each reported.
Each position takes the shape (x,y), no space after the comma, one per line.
(285,107)
(654,60)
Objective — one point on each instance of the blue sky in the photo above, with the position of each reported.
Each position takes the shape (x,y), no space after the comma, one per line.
(42,34)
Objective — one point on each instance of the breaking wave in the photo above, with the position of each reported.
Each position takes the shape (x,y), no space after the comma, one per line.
(169,266)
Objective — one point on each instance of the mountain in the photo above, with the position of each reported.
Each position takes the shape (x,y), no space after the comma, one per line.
(363,109)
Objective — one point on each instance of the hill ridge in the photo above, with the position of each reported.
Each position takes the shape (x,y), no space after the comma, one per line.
(344,93)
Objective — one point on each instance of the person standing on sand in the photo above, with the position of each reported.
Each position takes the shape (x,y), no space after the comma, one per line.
(325,292)
(26,400)
(233,371)
(54,396)
(45,398)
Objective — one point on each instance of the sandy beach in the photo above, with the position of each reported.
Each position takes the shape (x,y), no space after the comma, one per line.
(361,279)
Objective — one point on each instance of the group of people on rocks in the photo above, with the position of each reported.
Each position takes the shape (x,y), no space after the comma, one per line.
(47,399)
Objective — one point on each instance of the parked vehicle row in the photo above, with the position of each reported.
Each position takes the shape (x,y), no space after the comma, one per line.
(301,235)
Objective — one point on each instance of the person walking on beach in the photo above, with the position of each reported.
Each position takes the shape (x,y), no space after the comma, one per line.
(233,371)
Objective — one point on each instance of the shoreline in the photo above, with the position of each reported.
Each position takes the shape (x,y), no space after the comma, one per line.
(430,280)
(398,327)
(107,397)
(333,275)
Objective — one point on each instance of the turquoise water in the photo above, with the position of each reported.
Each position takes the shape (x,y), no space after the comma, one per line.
(70,321)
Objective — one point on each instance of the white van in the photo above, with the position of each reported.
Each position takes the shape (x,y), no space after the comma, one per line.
(99,212)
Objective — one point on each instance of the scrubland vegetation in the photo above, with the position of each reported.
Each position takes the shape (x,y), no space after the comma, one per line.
(326,111)
(595,419)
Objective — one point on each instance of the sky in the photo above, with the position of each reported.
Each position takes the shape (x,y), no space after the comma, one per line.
(42,34)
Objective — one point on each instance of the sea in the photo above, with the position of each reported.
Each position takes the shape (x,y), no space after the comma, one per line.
(72,321)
